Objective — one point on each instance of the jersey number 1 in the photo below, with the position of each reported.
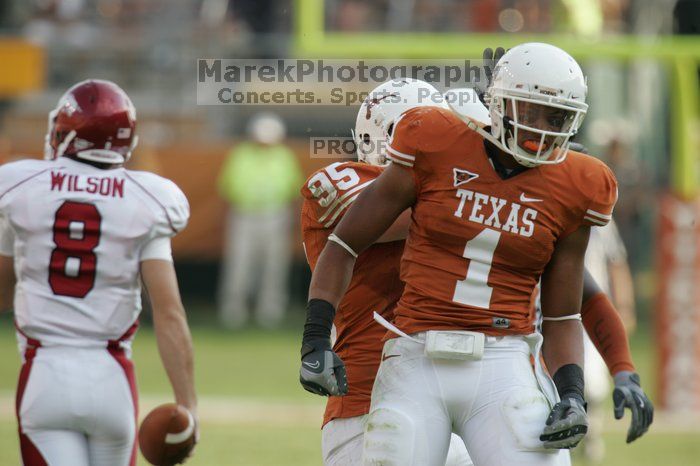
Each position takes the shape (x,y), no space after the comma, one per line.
(73,265)
(474,289)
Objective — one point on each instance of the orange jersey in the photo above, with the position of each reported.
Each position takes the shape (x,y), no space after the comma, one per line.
(478,244)
(375,284)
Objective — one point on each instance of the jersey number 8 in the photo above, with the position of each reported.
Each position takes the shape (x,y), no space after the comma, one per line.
(73,265)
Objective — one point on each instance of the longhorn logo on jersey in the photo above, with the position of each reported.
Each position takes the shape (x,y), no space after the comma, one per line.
(463,176)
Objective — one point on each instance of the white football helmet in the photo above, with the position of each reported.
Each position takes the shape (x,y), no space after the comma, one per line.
(381,108)
(540,74)
(465,102)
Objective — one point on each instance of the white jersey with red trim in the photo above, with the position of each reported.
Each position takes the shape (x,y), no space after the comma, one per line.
(78,234)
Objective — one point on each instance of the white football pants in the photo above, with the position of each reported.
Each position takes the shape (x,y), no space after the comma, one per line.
(77,407)
(341,444)
(495,405)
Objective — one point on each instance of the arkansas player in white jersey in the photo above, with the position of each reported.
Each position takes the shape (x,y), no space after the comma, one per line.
(80,232)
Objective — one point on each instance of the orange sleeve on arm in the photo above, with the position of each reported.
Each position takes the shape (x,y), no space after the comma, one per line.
(607,332)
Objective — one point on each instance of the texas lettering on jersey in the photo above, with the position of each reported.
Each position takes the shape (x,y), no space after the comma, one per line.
(375,285)
(495,212)
(478,244)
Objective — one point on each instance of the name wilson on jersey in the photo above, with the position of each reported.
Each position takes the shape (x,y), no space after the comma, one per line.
(495,212)
(104,186)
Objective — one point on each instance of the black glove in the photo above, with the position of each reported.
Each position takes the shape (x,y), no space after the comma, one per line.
(322,371)
(567,423)
(628,393)
(490,59)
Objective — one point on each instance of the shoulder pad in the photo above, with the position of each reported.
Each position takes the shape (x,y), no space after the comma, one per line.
(598,184)
(168,202)
(14,174)
(328,192)
(422,130)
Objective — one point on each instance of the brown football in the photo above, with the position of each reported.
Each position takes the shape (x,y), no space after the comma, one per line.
(167,435)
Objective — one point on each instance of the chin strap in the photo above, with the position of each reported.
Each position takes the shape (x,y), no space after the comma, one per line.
(474,126)
(471,124)
(486,135)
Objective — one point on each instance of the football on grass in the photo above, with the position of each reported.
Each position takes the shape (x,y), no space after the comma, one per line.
(167,435)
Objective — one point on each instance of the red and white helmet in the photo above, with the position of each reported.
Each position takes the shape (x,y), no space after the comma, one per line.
(377,114)
(541,74)
(94,120)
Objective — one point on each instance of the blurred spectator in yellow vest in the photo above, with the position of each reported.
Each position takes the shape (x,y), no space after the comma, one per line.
(260,181)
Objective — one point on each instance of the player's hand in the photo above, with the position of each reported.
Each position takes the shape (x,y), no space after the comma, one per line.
(192,408)
(322,371)
(567,423)
(628,393)
(490,59)
(196,430)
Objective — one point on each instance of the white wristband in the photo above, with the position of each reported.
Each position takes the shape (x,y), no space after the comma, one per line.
(342,244)
(559,319)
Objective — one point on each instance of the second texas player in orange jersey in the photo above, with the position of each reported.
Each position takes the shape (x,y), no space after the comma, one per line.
(375,285)
(483,232)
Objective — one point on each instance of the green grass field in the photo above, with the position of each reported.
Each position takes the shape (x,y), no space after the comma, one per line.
(254,412)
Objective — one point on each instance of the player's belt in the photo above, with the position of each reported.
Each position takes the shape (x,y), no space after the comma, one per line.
(444,344)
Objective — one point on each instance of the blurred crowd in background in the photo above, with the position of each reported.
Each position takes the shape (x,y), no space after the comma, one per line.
(150,48)
(126,35)
(237,18)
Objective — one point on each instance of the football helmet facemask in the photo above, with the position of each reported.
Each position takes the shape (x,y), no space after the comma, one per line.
(537,102)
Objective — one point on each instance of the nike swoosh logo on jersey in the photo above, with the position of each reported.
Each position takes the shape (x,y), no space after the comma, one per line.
(389,356)
(524,198)
(315,365)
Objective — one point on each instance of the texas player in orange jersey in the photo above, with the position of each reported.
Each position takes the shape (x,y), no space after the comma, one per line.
(359,338)
(512,204)
(602,322)
(376,286)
